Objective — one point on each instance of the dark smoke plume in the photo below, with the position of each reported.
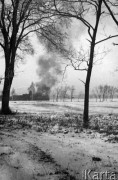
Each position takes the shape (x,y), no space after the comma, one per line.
(49,70)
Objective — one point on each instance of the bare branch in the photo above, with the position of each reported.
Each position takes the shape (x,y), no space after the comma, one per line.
(82,81)
(109,37)
(110,11)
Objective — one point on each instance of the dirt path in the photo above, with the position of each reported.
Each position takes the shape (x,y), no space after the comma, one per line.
(22,159)
(30,155)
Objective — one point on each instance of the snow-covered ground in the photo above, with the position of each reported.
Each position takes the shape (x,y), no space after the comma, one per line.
(106,107)
(28,152)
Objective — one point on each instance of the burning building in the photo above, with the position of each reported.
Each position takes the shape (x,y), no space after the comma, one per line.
(49,71)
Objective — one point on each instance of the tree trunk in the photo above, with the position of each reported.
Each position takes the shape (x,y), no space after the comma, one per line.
(90,66)
(86,105)
(6,92)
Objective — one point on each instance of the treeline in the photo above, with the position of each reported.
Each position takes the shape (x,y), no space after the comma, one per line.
(64,93)
(99,93)
(105,92)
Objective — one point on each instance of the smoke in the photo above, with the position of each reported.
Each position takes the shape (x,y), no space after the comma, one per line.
(49,70)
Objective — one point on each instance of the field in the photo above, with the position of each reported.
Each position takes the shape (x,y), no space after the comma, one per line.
(106,107)
(46,141)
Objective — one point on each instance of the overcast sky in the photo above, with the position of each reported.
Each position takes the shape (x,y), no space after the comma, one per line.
(103,73)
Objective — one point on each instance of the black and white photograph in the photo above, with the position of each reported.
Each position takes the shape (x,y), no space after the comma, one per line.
(58,89)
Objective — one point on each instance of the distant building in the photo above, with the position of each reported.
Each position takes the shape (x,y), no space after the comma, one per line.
(39,92)
(23,97)
(31,90)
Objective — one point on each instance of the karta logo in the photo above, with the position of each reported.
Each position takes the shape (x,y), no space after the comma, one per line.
(94,175)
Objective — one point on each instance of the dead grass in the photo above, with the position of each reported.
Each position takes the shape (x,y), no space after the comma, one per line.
(61,123)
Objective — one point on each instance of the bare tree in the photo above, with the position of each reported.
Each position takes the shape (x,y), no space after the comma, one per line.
(13,92)
(18,20)
(112,91)
(84,11)
(101,92)
(104,92)
(80,95)
(64,91)
(95,93)
(72,89)
(53,96)
(57,92)
(112,7)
